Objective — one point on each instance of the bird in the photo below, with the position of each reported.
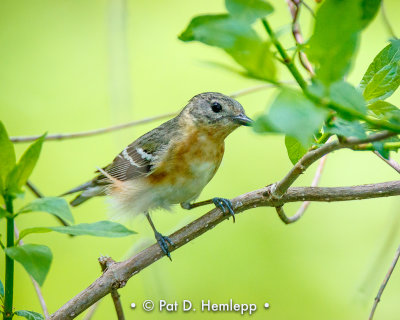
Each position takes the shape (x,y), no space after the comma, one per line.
(170,164)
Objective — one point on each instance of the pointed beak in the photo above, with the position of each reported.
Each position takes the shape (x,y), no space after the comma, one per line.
(243,120)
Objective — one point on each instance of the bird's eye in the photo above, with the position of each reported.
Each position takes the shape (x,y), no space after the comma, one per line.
(216,107)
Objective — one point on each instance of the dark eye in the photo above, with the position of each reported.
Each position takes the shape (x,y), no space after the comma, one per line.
(216,107)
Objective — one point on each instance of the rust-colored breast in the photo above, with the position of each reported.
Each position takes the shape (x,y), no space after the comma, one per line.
(194,148)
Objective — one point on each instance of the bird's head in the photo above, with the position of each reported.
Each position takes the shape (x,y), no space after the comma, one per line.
(215,112)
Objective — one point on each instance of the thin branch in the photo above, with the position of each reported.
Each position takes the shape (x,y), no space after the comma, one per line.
(305,204)
(390,162)
(35,284)
(34,190)
(386,21)
(64,136)
(119,273)
(384,283)
(313,155)
(105,263)
(294,8)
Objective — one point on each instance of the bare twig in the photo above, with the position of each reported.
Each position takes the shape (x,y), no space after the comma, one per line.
(64,136)
(35,284)
(305,204)
(384,283)
(313,155)
(390,162)
(34,190)
(294,7)
(105,263)
(386,21)
(119,273)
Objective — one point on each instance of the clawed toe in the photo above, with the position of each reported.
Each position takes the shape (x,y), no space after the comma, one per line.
(163,242)
(225,206)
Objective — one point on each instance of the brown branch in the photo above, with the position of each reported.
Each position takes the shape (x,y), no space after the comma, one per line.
(294,8)
(64,136)
(313,155)
(105,263)
(390,162)
(384,283)
(119,273)
(317,177)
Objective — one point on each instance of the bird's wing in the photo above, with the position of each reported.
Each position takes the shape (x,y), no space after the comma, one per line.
(141,157)
(135,161)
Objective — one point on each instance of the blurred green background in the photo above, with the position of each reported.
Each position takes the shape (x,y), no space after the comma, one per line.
(68,66)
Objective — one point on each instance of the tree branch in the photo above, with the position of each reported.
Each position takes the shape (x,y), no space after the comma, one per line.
(294,8)
(119,273)
(89,133)
(313,155)
(105,263)
(384,283)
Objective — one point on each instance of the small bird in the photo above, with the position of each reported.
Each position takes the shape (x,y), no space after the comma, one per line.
(170,164)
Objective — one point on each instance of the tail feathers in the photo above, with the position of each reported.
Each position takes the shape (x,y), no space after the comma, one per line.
(89,190)
(82,187)
(78,200)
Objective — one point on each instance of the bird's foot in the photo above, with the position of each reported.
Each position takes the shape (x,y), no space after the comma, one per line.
(163,242)
(224,205)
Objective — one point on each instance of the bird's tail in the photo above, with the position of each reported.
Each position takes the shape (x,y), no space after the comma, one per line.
(89,190)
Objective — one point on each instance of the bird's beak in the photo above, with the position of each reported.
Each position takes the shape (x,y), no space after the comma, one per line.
(243,120)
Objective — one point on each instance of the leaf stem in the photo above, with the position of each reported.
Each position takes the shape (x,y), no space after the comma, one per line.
(286,59)
(9,283)
(324,102)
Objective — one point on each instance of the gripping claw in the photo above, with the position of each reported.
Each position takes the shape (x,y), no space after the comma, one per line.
(224,205)
(163,242)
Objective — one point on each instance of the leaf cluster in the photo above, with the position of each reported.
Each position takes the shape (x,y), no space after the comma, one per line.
(327,104)
(36,258)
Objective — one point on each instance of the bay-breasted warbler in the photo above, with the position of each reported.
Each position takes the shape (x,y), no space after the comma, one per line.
(172,163)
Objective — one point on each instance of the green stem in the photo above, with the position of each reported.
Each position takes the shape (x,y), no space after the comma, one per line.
(390,146)
(325,102)
(9,283)
(286,59)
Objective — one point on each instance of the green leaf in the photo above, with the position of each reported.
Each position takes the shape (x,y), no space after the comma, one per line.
(237,38)
(345,128)
(7,156)
(379,146)
(99,229)
(347,96)
(385,111)
(1,290)
(30,315)
(21,172)
(369,9)
(248,10)
(381,108)
(53,205)
(382,77)
(294,149)
(293,114)
(336,36)
(36,259)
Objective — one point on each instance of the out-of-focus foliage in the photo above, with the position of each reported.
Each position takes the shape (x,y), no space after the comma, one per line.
(60,79)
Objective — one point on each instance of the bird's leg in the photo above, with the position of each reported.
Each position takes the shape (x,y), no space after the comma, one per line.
(162,241)
(223,204)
